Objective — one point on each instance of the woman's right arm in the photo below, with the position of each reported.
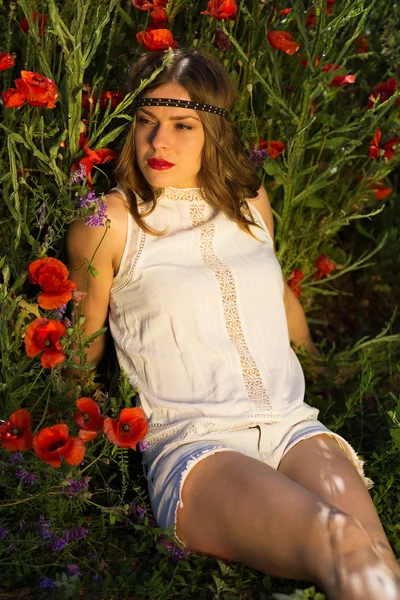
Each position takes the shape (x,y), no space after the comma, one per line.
(82,243)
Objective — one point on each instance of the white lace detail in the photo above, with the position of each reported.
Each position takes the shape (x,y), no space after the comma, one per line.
(182,194)
(251,375)
(131,270)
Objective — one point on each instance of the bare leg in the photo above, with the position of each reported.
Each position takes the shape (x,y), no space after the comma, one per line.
(333,478)
(238,508)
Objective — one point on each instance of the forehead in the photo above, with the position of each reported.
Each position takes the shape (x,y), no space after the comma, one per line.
(169,91)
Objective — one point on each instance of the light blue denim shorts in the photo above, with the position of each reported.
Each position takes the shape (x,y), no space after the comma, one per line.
(266,442)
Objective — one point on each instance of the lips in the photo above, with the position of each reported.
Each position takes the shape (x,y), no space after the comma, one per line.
(159,164)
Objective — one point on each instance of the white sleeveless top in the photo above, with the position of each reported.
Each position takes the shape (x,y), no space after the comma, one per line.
(199,324)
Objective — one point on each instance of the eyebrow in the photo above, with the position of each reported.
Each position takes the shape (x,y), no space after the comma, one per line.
(148,112)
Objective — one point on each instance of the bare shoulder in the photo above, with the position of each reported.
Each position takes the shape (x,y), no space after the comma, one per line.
(82,240)
(262,204)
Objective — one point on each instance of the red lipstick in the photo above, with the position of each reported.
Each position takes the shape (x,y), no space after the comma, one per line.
(159,164)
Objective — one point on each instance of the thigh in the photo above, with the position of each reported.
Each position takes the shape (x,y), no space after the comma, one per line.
(320,465)
(238,508)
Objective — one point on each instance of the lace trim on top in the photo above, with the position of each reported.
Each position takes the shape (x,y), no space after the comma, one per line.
(182,194)
(251,375)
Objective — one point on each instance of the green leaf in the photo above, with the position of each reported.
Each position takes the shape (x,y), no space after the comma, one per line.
(395,433)
(97,334)
(314,202)
(110,137)
(93,271)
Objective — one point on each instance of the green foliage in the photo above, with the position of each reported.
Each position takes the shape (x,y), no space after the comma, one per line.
(323,202)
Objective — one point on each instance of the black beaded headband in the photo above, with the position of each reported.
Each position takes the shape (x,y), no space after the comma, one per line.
(180,103)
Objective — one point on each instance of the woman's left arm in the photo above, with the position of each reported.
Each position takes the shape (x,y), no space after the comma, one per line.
(299,333)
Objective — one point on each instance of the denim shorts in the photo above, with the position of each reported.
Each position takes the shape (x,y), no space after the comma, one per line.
(266,442)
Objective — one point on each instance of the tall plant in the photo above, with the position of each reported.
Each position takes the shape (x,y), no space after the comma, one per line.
(318,110)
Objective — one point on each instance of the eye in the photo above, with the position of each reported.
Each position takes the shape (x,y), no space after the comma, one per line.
(144,121)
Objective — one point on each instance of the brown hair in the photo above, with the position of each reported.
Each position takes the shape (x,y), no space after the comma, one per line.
(227,177)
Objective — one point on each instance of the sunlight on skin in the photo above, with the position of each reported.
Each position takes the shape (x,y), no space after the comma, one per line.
(360,572)
(332,483)
(374,582)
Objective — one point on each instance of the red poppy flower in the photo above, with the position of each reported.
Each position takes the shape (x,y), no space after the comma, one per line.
(158,39)
(53,443)
(285,11)
(149,4)
(380,190)
(15,434)
(222,10)
(89,418)
(37,89)
(324,266)
(272,148)
(384,90)
(42,21)
(93,157)
(340,79)
(52,276)
(282,40)
(6,61)
(43,335)
(375,148)
(159,14)
(12,98)
(361,43)
(294,282)
(129,430)
(116,98)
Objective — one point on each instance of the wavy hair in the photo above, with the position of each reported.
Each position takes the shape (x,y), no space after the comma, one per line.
(227,177)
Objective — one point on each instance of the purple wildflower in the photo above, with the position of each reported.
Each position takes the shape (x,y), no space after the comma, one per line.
(98,219)
(73,486)
(44,527)
(132,507)
(25,477)
(73,570)
(88,200)
(143,446)
(176,552)
(58,544)
(3,533)
(59,312)
(67,323)
(78,175)
(42,214)
(75,533)
(257,156)
(141,513)
(16,457)
(97,577)
(47,583)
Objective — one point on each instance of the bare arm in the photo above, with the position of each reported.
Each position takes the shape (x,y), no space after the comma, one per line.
(82,243)
(299,333)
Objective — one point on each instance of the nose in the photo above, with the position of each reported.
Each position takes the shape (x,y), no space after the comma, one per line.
(159,137)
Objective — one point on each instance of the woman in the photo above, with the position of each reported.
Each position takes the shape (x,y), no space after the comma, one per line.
(202,322)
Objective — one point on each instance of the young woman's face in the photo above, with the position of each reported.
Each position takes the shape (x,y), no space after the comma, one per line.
(168,135)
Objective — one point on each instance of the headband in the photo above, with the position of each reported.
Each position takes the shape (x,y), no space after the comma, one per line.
(180,103)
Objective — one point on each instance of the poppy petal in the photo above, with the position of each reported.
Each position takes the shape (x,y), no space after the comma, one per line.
(76,451)
(87,435)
